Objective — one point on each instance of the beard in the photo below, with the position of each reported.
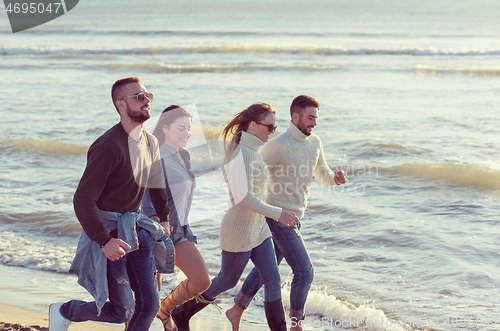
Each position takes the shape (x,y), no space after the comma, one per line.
(138,116)
(303,128)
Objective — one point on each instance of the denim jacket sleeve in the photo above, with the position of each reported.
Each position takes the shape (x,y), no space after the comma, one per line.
(90,262)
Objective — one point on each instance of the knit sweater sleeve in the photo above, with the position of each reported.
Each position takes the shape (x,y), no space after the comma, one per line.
(101,161)
(322,171)
(241,172)
(272,154)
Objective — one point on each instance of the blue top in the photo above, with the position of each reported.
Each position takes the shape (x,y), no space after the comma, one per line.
(180,183)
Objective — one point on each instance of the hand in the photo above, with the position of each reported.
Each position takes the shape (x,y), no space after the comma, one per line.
(288,219)
(166,225)
(113,249)
(340,177)
(168,228)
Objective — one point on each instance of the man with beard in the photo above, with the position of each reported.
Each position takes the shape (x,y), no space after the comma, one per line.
(116,251)
(294,157)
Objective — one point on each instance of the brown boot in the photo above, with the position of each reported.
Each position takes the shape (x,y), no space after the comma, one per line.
(177,297)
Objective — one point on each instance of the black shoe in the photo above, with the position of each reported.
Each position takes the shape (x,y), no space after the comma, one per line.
(275,315)
(183,313)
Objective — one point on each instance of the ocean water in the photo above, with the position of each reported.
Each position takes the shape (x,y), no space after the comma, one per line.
(410,95)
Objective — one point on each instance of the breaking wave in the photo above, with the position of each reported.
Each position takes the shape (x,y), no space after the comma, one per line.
(479,176)
(44,146)
(261,49)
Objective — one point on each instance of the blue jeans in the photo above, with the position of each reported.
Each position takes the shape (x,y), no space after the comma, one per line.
(288,244)
(233,265)
(133,272)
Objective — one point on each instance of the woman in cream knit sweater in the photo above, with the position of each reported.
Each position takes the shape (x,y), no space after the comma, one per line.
(244,234)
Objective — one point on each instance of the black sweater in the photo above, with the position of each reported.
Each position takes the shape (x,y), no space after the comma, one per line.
(108,181)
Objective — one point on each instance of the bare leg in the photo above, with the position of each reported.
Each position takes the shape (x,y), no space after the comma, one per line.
(234,316)
(190,261)
(158,280)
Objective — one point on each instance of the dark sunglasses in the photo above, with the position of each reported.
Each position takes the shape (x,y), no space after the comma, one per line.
(141,96)
(270,127)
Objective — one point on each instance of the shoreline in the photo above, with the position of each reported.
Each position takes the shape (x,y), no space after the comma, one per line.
(13,318)
(25,296)
(24,319)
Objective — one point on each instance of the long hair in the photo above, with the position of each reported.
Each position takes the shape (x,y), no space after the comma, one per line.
(167,117)
(231,134)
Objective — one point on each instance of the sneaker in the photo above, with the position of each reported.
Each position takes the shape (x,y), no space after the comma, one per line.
(56,321)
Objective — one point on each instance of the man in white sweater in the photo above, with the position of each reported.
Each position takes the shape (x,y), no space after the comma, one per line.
(294,157)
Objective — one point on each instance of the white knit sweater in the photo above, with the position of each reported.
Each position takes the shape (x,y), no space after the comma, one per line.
(293,158)
(243,226)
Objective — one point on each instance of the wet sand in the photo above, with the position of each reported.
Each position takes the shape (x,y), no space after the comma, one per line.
(18,319)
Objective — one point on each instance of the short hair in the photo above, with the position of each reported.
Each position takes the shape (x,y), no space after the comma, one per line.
(167,117)
(118,86)
(301,102)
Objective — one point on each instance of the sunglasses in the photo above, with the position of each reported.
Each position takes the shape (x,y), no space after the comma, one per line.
(270,127)
(141,96)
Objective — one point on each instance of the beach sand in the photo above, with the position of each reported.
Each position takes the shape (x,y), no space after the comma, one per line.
(14,318)
(25,296)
